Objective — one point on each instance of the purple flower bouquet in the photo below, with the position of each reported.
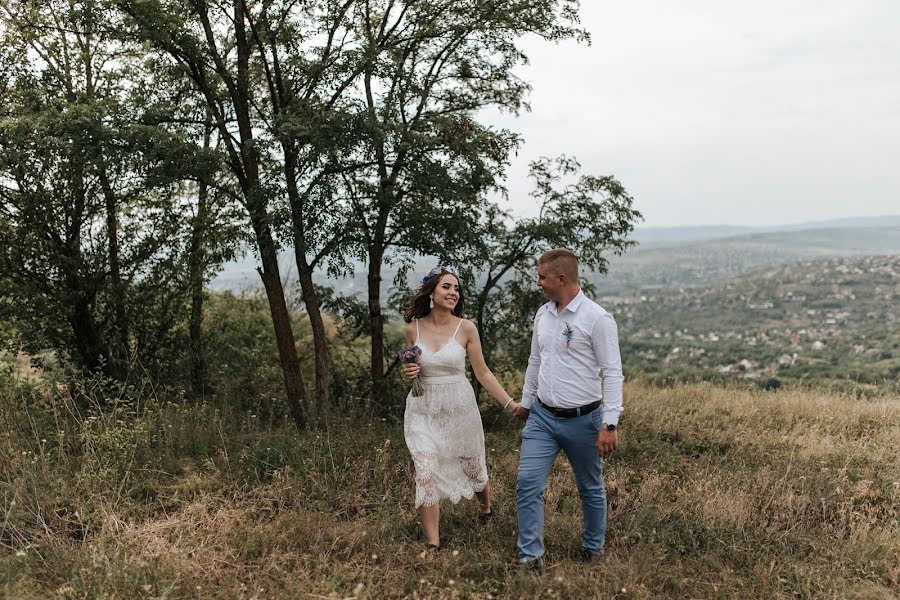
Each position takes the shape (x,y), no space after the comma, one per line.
(411,355)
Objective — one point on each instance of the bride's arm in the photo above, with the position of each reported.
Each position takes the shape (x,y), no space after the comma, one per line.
(482,373)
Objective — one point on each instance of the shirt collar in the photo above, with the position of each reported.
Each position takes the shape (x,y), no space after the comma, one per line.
(573,305)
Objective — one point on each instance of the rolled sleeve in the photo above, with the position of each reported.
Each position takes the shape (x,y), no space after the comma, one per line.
(605,339)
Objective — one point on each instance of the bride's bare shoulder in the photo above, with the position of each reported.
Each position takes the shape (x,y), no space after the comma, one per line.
(468,327)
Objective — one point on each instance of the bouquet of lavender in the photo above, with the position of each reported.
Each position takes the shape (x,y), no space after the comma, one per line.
(411,355)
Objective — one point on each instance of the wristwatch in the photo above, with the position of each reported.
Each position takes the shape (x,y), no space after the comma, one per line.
(610,427)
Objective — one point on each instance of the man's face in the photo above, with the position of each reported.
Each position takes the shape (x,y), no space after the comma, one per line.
(549,281)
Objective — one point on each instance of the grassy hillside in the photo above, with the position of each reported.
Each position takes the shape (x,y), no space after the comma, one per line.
(831,319)
(716,493)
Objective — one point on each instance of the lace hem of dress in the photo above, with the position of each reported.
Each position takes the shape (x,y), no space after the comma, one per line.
(430,498)
(472,478)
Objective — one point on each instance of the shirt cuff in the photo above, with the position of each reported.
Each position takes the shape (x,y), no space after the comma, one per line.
(527,403)
(610,417)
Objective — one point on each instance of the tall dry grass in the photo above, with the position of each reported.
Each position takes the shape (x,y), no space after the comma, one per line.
(114,492)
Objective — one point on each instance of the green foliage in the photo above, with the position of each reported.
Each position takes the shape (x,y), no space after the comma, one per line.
(243,368)
(770,383)
(93,264)
(590,215)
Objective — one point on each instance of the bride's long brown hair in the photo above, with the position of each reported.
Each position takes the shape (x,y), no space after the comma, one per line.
(420,304)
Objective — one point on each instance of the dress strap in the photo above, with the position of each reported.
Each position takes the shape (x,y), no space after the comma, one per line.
(417,329)
(458,325)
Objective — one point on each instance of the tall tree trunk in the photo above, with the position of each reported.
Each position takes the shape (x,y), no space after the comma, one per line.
(304,274)
(214,81)
(313,309)
(196,267)
(257,203)
(117,340)
(377,246)
(86,334)
(284,334)
(376,318)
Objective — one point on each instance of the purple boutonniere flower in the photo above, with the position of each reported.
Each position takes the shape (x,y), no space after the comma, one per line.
(567,333)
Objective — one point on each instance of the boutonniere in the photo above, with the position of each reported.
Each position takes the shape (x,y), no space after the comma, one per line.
(567,333)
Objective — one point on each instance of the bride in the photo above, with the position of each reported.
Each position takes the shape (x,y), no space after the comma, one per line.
(443,427)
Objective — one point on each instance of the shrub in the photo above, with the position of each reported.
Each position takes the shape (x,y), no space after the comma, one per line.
(771,383)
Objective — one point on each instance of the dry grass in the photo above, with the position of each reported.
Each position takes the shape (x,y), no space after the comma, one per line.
(717,493)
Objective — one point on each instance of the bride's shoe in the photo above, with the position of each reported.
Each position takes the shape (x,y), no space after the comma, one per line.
(485,517)
(430,550)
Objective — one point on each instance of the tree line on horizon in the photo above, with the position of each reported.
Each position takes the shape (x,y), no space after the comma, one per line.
(143,142)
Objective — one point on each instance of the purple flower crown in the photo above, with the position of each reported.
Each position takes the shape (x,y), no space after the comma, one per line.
(441,269)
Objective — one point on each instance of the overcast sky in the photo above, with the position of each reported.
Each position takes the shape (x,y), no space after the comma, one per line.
(721,112)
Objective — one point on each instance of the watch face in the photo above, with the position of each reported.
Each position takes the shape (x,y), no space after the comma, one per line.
(610,427)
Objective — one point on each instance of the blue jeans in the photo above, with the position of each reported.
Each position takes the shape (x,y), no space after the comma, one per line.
(544,436)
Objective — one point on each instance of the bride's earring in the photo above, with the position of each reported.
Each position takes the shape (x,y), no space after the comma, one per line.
(431,303)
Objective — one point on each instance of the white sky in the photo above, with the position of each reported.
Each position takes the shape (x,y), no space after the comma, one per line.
(723,112)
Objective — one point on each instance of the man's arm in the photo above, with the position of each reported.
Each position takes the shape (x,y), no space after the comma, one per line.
(605,339)
(532,373)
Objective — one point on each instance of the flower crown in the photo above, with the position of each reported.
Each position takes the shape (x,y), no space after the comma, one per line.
(440,269)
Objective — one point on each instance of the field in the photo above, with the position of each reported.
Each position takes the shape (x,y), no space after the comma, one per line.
(717,493)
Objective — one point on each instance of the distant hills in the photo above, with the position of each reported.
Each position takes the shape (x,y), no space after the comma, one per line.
(699,262)
(668,235)
(692,255)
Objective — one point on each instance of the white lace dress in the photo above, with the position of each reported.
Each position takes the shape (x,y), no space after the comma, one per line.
(443,428)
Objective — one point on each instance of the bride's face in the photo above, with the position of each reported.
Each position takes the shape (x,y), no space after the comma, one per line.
(446,294)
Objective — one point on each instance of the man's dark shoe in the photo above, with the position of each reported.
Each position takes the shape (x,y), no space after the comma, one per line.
(532,562)
(590,556)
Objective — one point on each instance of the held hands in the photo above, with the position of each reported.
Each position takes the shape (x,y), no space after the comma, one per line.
(511,407)
(411,370)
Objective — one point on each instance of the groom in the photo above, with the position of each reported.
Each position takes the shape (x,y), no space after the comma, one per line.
(574,344)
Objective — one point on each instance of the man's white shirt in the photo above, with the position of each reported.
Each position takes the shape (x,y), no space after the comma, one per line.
(567,373)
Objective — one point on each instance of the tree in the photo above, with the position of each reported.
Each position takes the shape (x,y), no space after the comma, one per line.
(590,215)
(430,66)
(90,260)
(215,231)
(271,75)
(209,44)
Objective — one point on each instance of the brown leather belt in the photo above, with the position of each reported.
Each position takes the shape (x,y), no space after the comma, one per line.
(568,413)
